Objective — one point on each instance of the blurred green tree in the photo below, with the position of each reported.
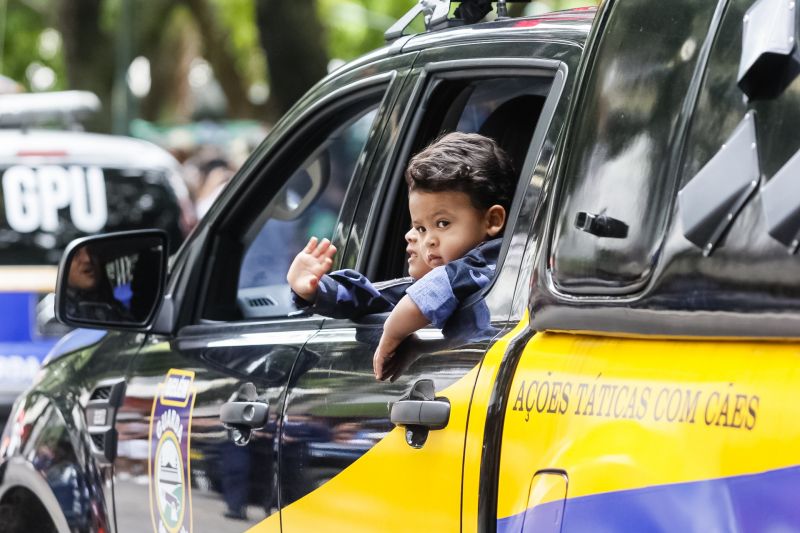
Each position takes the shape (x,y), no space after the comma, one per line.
(257,56)
(24,25)
(291,35)
(88,51)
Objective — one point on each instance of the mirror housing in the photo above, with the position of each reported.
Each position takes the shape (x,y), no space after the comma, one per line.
(112,281)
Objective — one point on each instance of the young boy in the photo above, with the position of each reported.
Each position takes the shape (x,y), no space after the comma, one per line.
(460,190)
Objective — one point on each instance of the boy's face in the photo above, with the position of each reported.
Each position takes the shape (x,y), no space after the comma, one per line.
(449,225)
(416,266)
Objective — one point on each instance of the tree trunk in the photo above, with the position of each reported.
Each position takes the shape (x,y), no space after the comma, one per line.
(170,48)
(292,38)
(163,49)
(88,53)
(218,53)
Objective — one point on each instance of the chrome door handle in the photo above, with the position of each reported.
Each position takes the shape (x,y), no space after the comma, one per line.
(431,414)
(252,415)
(419,412)
(601,225)
(243,414)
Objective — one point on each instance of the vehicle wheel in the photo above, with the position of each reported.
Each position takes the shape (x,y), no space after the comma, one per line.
(20,513)
(10,521)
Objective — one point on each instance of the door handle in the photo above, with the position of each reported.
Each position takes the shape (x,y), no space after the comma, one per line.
(419,412)
(601,225)
(243,414)
(252,415)
(431,414)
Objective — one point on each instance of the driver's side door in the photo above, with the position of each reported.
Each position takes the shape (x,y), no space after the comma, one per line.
(355,464)
(240,338)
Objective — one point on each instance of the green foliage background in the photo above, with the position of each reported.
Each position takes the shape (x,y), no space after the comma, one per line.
(351,28)
(24,24)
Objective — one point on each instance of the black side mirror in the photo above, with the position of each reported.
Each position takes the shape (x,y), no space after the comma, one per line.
(112,281)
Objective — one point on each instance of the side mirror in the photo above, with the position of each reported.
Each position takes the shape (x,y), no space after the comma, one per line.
(112,281)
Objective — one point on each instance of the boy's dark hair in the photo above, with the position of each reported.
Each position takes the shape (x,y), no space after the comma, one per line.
(465,162)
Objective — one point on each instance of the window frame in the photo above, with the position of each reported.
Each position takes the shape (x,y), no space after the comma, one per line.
(631,291)
(425,85)
(281,160)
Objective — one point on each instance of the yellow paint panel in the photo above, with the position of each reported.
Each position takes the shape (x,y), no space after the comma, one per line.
(392,487)
(619,414)
(547,487)
(477,421)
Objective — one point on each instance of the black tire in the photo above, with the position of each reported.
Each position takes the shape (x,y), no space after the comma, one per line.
(20,512)
(10,520)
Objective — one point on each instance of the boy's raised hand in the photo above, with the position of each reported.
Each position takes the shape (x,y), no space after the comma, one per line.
(309,266)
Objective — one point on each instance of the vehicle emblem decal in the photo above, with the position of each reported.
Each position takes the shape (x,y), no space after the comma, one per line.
(168,466)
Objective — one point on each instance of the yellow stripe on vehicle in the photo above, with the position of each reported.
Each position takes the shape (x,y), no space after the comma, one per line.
(618,414)
(379,491)
(395,488)
(477,421)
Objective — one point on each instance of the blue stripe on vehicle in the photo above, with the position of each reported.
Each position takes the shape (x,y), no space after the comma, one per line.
(77,339)
(17,310)
(37,349)
(764,502)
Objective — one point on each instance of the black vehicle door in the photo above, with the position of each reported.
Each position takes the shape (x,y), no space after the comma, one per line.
(239,337)
(343,462)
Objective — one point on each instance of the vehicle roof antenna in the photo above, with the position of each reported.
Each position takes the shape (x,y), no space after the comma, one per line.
(435,13)
(502,9)
(472,11)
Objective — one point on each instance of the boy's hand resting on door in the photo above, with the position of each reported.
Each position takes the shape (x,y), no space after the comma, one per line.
(405,319)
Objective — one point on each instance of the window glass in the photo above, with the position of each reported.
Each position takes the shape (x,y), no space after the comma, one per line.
(727,219)
(721,106)
(308,204)
(506,109)
(615,187)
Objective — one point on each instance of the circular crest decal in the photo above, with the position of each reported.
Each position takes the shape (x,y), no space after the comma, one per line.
(169,463)
(169,482)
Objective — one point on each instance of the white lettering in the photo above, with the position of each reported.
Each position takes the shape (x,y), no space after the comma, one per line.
(177,388)
(54,194)
(88,209)
(21,202)
(33,197)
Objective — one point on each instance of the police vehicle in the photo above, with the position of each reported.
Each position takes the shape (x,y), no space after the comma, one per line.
(59,183)
(632,366)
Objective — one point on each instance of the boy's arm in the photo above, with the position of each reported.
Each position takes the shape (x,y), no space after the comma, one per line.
(433,299)
(349,294)
(440,292)
(405,319)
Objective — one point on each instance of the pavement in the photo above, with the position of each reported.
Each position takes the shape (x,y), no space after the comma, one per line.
(133,512)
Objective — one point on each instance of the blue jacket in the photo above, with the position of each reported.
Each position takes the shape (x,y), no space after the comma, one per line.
(349,294)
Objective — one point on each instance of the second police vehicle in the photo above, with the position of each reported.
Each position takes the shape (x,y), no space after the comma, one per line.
(57,183)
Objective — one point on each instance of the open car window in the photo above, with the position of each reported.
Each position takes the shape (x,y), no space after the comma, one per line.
(505,108)
(308,204)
